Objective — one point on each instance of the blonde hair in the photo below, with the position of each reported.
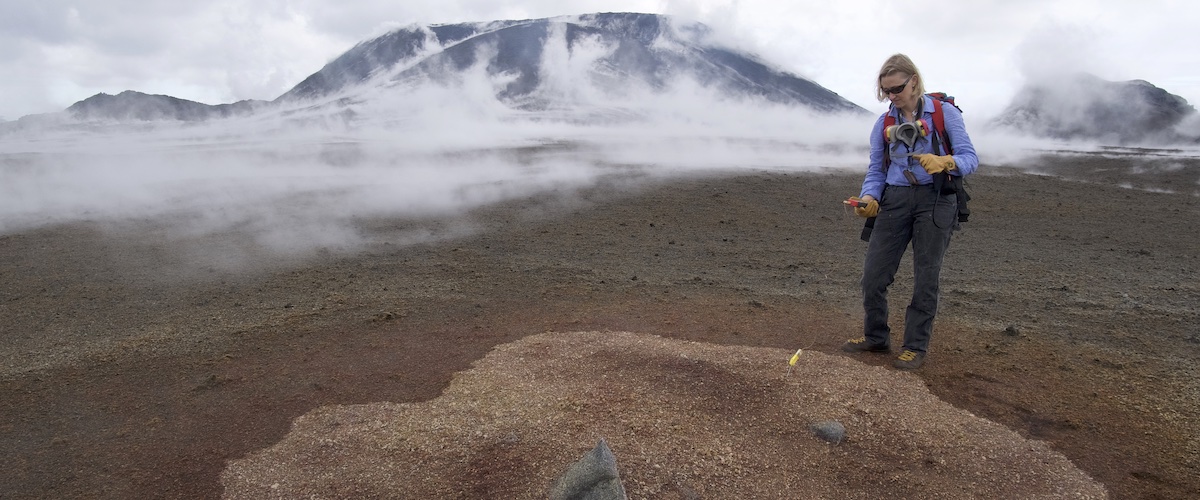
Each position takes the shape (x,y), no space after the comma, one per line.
(898,63)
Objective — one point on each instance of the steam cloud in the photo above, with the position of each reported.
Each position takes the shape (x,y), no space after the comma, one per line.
(307,178)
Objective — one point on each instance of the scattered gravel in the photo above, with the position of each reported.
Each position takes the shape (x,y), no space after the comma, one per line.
(680,416)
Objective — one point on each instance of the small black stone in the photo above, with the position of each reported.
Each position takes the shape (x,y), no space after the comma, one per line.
(830,431)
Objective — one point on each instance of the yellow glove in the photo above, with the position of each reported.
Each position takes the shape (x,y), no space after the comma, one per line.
(871,210)
(934,164)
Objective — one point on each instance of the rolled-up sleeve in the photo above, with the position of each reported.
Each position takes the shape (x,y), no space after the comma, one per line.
(876,177)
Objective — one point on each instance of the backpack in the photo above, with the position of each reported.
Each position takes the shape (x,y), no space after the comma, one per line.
(942,182)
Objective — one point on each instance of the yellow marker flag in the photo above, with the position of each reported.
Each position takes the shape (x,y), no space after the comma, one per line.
(795,357)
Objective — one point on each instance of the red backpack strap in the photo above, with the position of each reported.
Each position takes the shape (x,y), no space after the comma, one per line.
(888,121)
(939,122)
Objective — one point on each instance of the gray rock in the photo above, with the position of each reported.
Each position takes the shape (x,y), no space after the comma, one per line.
(593,477)
(830,430)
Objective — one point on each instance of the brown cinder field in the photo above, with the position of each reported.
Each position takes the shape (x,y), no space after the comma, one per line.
(1068,316)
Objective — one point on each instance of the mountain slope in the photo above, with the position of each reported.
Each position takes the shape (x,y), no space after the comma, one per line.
(541,59)
(136,106)
(382,53)
(1083,106)
(568,63)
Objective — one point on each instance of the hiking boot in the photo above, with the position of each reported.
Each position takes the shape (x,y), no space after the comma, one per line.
(909,360)
(860,345)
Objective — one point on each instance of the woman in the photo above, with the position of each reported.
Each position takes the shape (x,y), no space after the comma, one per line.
(899,192)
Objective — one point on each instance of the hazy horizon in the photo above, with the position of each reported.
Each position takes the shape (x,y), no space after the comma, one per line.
(298,180)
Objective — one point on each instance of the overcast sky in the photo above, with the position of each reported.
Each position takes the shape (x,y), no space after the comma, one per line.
(56,52)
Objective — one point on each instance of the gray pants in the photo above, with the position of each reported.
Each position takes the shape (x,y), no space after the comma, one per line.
(926,219)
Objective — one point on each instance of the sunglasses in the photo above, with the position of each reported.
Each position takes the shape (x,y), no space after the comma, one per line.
(899,88)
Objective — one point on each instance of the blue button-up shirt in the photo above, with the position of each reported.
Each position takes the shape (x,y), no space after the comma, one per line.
(965,160)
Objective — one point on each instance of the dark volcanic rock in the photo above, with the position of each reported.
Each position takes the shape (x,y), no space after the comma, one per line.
(830,431)
(593,477)
(1086,107)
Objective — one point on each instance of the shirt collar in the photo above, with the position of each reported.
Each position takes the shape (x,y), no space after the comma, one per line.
(926,107)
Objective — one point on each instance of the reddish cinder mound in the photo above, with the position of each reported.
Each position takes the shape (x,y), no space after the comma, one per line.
(683,418)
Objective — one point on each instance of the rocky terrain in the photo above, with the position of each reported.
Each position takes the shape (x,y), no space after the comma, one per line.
(1068,317)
